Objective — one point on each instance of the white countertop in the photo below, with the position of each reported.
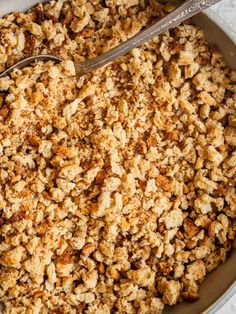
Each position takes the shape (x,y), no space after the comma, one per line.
(227,10)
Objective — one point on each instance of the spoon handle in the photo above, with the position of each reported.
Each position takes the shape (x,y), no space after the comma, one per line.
(188,9)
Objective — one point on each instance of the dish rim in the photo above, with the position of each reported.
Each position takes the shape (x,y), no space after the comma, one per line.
(228,30)
(218,20)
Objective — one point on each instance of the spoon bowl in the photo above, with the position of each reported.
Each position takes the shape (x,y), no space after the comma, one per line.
(27,61)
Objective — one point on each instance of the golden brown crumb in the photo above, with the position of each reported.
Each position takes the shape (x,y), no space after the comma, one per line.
(117,190)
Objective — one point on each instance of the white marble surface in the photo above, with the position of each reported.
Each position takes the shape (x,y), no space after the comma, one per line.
(229,307)
(227,10)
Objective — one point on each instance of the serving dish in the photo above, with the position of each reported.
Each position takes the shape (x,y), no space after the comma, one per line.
(219,285)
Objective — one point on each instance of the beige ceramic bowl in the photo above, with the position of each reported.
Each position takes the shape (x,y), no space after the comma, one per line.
(220,285)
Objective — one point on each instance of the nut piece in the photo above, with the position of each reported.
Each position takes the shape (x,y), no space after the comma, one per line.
(190,296)
(190,228)
(78,25)
(88,249)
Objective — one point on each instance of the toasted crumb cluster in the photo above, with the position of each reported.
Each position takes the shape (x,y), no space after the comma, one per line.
(117,190)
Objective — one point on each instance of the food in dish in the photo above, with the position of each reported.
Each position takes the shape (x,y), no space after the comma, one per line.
(117,191)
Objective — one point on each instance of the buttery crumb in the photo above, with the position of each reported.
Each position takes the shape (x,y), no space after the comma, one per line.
(117,190)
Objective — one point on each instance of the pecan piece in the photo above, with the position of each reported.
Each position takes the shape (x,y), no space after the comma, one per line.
(66,256)
(88,249)
(190,228)
(101,176)
(61,151)
(30,42)
(42,16)
(163,182)
(17,216)
(190,296)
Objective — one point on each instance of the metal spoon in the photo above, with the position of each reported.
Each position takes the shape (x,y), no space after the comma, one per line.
(188,9)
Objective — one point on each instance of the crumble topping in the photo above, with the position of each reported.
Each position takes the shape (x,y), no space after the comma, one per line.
(117,190)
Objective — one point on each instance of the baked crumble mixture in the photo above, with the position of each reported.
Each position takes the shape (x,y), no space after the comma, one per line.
(117,191)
